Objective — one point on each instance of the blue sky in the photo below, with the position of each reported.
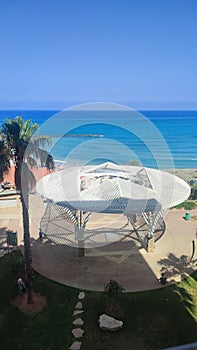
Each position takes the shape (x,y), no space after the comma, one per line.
(54,54)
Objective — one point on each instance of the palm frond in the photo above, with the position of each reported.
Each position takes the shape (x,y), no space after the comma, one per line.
(45,159)
(31,162)
(23,146)
(19,121)
(42,140)
(11,131)
(29,129)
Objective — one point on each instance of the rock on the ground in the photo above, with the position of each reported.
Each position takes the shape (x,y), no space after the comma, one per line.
(77,332)
(108,323)
(78,322)
(78,305)
(81,296)
(77,312)
(76,345)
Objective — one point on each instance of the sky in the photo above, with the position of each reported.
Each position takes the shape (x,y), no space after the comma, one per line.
(55,54)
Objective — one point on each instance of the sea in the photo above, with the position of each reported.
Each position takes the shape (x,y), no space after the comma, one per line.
(158,139)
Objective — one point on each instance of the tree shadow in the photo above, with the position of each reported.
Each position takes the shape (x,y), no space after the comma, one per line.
(174,266)
(182,266)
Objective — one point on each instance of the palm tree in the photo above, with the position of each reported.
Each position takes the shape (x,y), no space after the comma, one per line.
(19,146)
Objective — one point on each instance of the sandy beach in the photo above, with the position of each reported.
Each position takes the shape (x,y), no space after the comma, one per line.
(185,174)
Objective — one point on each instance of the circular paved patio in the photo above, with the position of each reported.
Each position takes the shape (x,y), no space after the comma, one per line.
(135,269)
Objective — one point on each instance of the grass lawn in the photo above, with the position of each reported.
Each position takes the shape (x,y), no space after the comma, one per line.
(152,320)
(51,329)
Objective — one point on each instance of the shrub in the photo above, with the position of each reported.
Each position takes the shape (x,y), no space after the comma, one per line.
(192,182)
(134,162)
(113,289)
(193,194)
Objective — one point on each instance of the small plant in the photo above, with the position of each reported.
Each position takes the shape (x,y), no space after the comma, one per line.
(192,182)
(194,217)
(193,194)
(113,289)
(134,162)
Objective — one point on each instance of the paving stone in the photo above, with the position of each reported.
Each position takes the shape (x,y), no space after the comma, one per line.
(76,345)
(78,305)
(77,312)
(77,332)
(78,322)
(81,296)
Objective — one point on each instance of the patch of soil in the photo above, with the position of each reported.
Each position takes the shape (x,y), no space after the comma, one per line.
(37,306)
(114,309)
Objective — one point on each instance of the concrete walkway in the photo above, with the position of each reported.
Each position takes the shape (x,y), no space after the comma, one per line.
(135,269)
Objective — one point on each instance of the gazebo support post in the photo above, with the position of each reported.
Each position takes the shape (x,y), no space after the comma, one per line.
(81,248)
(132,219)
(153,220)
(150,234)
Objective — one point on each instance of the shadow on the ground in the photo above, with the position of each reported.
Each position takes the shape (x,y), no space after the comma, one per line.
(173,266)
(120,261)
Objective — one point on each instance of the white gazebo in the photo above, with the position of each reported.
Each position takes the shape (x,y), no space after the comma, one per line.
(77,192)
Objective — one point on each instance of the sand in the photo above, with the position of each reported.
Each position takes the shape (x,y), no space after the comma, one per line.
(185,174)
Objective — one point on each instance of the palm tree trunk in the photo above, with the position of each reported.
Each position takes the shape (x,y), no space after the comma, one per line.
(27,245)
(24,194)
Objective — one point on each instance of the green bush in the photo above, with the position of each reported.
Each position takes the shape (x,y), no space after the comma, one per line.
(113,289)
(134,162)
(193,194)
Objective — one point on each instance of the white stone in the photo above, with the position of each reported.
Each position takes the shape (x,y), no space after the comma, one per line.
(109,323)
(78,322)
(81,296)
(77,332)
(78,305)
(76,345)
(77,312)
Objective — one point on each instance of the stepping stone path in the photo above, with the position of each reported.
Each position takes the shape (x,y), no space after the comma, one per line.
(78,305)
(78,322)
(81,296)
(78,332)
(76,345)
(77,312)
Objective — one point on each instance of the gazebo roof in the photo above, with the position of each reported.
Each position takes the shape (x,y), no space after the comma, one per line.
(112,188)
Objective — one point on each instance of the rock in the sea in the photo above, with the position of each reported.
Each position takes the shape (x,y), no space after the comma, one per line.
(108,323)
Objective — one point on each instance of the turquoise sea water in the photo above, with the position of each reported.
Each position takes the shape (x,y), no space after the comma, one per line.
(117,139)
